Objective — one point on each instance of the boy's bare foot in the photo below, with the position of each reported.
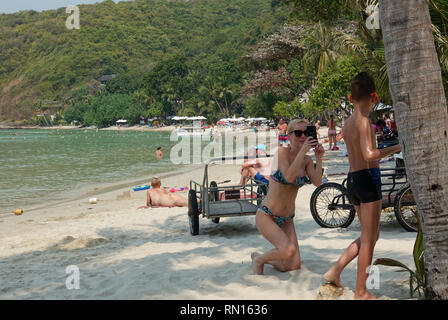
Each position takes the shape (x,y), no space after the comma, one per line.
(365,296)
(330,277)
(257,268)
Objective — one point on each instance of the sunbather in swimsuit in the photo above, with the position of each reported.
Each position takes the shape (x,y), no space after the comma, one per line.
(278,177)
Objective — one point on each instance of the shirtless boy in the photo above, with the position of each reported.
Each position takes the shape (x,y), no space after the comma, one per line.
(363,184)
(157,197)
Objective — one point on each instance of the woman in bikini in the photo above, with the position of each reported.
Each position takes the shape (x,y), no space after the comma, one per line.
(274,218)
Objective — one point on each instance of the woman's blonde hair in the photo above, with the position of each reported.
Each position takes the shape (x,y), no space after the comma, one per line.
(293,123)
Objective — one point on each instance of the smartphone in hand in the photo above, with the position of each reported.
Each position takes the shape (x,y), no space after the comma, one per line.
(311,130)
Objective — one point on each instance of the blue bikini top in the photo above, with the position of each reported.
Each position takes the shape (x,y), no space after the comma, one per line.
(300,181)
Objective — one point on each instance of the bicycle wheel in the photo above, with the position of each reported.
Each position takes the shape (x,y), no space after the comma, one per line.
(405,209)
(330,206)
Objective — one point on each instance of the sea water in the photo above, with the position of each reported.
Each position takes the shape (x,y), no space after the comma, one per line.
(46,166)
(39,166)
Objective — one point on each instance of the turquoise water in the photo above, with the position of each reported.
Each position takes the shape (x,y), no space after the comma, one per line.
(39,166)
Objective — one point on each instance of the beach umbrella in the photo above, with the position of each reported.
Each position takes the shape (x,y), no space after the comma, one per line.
(178,118)
(197,118)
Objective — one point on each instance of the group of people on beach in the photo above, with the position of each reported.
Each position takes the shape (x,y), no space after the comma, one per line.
(293,168)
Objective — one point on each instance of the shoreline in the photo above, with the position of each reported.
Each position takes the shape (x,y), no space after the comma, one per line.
(133,128)
(95,190)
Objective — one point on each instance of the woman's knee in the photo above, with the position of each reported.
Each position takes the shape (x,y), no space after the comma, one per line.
(294,263)
(289,251)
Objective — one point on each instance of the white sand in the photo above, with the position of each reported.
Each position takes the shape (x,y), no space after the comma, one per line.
(124,253)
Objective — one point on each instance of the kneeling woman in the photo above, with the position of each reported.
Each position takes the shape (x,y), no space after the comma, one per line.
(292,168)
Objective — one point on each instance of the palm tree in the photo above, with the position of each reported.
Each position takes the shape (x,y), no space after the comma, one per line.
(368,43)
(421,113)
(320,48)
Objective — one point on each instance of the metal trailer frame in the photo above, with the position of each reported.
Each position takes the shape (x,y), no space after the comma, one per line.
(205,199)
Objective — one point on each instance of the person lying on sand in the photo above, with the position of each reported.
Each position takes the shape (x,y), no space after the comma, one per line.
(157,197)
(259,168)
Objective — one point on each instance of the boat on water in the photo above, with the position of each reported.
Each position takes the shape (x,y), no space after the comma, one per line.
(192,126)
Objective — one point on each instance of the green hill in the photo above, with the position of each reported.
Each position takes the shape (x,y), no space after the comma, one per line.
(42,61)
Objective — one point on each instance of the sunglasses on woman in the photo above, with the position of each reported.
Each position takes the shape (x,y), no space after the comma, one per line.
(299,133)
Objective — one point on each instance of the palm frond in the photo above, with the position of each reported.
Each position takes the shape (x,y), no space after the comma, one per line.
(440,7)
(442,46)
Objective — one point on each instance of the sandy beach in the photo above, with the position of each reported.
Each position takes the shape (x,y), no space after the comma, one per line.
(125,253)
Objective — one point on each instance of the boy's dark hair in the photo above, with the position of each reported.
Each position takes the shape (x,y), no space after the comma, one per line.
(362,86)
(159,148)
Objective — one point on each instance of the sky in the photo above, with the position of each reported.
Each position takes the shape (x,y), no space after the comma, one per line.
(10,6)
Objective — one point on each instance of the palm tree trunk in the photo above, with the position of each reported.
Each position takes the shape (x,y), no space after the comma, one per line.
(421,113)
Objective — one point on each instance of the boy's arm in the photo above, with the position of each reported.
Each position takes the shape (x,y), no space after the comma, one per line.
(368,150)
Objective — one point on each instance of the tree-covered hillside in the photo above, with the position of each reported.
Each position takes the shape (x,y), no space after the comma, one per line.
(169,56)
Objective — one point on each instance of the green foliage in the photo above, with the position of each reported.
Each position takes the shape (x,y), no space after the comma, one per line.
(155,110)
(321,50)
(134,40)
(333,87)
(260,106)
(316,10)
(288,110)
(301,80)
(105,110)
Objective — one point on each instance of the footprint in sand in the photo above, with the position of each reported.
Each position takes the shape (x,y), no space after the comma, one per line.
(70,243)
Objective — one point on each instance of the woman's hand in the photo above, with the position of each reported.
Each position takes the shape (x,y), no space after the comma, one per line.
(308,144)
(319,151)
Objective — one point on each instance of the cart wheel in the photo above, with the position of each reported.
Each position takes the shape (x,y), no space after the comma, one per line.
(215,220)
(330,206)
(193,213)
(405,209)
